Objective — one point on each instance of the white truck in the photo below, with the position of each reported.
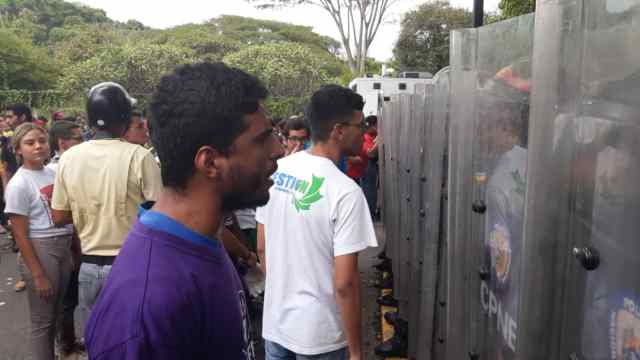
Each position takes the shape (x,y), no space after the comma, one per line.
(376,88)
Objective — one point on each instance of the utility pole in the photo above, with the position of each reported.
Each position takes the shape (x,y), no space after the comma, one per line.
(478,13)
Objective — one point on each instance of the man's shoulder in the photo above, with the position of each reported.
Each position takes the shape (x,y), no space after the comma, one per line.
(344,184)
(142,273)
(142,152)
(292,159)
(77,151)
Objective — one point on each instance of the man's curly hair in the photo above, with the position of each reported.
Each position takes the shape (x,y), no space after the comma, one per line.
(199,105)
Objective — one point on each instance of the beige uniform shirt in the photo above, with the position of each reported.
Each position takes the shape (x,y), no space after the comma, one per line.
(102,183)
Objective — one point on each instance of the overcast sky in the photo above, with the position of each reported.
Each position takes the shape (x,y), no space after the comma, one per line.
(164,14)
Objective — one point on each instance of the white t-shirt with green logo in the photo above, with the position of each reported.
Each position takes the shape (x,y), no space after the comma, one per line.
(315,213)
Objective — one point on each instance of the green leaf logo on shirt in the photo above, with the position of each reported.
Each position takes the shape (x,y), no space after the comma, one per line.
(312,195)
(521,184)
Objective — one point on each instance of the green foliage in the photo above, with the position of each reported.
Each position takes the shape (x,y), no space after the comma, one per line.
(203,40)
(77,43)
(283,107)
(373,66)
(43,15)
(137,68)
(423,43)
(512,8)
(289,70)
(23,66)
(45,101)
(59,45)
(249,31)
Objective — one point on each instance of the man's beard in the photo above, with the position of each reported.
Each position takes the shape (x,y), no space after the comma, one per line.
(245,194)
(243,200)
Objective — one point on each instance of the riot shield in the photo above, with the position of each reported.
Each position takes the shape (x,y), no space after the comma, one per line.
(405,148)
(441,111)
(499,182)
(591,137)
(431,246)
(462,106)
(389,128)
(382,163)
(490,87)
(556,69)
(418,159)
(391,224)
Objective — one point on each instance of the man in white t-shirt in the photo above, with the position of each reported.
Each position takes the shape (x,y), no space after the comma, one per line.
(309,236)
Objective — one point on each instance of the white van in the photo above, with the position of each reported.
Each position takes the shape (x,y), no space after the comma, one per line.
(374,88)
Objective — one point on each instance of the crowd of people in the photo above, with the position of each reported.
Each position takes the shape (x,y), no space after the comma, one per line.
(165,230)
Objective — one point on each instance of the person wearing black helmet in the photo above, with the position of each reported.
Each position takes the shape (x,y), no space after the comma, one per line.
(99,185)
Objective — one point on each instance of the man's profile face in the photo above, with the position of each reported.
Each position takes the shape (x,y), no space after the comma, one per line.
(353,134)
(296,140)
(137,132)
(12,119)
(373,129)
(75,139)
(252,161)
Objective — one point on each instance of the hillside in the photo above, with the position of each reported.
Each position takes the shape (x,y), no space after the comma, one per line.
(63,48)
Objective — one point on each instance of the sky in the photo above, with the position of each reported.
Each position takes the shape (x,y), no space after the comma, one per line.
(165,14)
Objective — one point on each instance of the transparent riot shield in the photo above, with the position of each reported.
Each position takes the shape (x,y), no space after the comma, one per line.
(406,218)
(383,162)
(418,160)
(499,163)
(431,246)
(591,138)
(462,107)
(393,229)
(552,160)
(389,128)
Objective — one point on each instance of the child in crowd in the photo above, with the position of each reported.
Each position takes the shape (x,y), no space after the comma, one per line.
(45,260)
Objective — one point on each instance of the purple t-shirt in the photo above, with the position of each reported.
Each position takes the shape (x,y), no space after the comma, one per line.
(170,297)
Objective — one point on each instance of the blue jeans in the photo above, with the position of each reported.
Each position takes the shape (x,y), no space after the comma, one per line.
(370,186)
(91,278)
(274,351)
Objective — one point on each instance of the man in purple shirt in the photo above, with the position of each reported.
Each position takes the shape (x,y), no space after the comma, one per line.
(173,292)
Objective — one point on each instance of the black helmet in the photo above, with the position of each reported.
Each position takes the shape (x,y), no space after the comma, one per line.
(109,104)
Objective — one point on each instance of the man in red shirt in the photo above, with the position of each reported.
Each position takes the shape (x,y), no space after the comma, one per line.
(370,148)
(357,165)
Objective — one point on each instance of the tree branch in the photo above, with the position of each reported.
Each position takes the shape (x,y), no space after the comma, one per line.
(335,10)
(357,20)
(380,17)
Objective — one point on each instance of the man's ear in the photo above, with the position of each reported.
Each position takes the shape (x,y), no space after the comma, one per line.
(337,132)
(209,162)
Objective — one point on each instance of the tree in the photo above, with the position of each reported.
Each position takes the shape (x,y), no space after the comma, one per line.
(75,43)
(289,70)
(23,66)
(47,14)
(136,67)
(249,31)
(203,39)
(512,8)
(423,43)
(358,22)
(67,48)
